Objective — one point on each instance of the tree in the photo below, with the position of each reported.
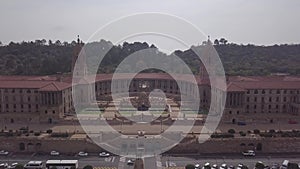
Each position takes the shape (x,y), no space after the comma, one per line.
(19,166)
(216,42)
(88,167)
(190,166)
(58,43)
(1,43)
(223,41)
(231,131)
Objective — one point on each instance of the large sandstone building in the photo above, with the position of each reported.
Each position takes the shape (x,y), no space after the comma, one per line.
(48,99)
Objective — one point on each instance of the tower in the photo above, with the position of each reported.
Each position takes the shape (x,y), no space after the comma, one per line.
(79,67)
(206,53)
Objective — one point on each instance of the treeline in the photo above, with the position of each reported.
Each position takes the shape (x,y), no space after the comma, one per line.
(43,58)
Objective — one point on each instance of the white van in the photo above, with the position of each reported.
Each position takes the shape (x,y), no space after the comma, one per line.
(285,164)
(34,165)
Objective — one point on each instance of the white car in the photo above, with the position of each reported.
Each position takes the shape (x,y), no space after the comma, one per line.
(3,165)
(54,153)
(130,162)
(215,166)
(223,166)
(249,153)
(3,152)
(240,166)
(104,154)
(206,166)
(197,166)
(83,154)
(13,165)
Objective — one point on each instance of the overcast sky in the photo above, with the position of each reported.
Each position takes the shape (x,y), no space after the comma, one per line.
(240,21)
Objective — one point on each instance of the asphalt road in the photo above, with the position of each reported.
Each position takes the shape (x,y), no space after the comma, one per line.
(166,161)
(169,161)
(95,161)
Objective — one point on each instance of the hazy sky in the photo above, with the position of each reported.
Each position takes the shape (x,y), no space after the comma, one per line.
(240,21)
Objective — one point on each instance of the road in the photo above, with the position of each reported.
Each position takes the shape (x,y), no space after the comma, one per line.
(165,161)
(169,161)
(95,161)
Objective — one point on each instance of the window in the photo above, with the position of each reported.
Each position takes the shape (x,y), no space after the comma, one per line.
(278,91)
(230,112)
(270,106)
(248,91)
(263,99)
(284,99)
(255,99)
(270,99)
(248,99)
(277,99)
(284,91)
(13,90)
(277,106)
(7,106)
(255,91)
(53,111)
(15,106)
(28,91)
(22,106)
(28,98)
(247,106)
(263,91)
(46,112)
(20,91)
(270,91)
(29,106)
(254,106)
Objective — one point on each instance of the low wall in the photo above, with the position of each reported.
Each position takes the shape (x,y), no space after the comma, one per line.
(232,145)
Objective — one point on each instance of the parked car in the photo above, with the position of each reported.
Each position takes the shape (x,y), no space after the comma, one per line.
(231,167)
(240,166)
(248,153)
(130,161)
(197,166)
(275,166)
(284,164)
(54,153)
(215,166)
(3,152)
(206,166)
(83,154)
(3,165)
(223,166)
(104,154)
(13,165)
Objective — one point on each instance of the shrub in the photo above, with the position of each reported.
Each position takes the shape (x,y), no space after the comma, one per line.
(49,131)
(190,166)
(242,133)
(271,131)
(88,167)
(231,131)
(59,135)
(19,166)
(267,135)
(37,134)
(225,135)
(256,131)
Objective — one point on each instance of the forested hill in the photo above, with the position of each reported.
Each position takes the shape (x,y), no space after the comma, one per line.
(41,58)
